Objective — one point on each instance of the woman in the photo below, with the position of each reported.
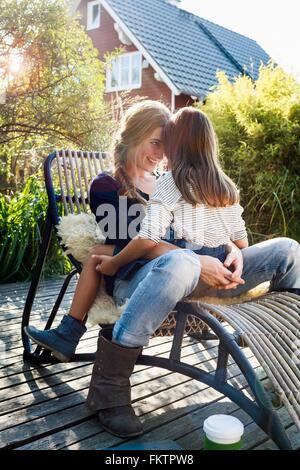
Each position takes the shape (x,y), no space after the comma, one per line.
(138,149)
(154,290)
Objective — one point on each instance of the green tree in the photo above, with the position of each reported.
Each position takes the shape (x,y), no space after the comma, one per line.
(56,98)
(258,127)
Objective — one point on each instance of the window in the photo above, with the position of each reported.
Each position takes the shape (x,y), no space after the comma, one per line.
(93,15)
(125,72)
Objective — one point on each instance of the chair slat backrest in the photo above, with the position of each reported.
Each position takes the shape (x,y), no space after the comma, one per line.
(68,179)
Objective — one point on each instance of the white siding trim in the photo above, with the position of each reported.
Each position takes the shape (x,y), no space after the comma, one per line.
(89,7)
(130,86)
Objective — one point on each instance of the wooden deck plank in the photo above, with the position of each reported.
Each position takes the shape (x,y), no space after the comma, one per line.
(43,407)
(58,373)
(43,389)
(26,422)
(185,397)
(37,371)
(171,420)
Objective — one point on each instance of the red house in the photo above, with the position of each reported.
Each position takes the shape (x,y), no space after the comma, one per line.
(168,53)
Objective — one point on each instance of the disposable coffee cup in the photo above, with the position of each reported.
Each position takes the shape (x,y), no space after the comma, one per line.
(223,432)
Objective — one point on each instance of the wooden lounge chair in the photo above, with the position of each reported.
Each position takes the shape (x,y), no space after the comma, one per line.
(269,325)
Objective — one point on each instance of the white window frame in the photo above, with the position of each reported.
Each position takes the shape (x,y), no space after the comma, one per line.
(89,17)
(130,86)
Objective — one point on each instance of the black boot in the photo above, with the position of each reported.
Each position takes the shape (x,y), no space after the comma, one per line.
(110,390)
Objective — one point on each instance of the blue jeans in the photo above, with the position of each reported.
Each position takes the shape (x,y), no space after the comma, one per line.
(153,290)
(156,288)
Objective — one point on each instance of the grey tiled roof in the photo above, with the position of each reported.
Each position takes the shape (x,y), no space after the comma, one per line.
(189,49)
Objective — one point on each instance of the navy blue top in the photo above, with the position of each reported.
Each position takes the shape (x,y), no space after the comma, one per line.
(105,189)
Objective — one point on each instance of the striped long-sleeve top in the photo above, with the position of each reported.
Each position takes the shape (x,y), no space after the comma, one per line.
(201,225)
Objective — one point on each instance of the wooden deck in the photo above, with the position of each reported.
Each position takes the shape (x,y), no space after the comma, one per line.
(44,407)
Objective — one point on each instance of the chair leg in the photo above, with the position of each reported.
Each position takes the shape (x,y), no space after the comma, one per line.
(222,364)
(56,306)
(35,281)
(204,335)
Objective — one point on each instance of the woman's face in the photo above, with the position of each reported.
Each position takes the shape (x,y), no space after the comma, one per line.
(150,152)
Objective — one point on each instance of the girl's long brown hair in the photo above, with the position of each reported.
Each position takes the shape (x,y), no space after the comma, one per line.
(191,148)
(138,123)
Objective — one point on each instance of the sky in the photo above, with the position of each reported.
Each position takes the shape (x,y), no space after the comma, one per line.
(273,24)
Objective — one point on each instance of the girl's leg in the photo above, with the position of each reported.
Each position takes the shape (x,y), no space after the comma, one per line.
(161,249)
(88,283)
(63,340)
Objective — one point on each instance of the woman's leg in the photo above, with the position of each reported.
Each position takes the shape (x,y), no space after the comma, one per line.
(88,283)
(153,292)
(110,391)
(277,261)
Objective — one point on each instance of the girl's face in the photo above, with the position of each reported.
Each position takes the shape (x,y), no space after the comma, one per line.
(150,152)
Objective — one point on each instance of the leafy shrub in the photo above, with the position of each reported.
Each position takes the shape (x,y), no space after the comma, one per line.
(21,223)
(258,127)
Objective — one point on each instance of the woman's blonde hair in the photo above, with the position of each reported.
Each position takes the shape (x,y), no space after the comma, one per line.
(138,123)
(191,149)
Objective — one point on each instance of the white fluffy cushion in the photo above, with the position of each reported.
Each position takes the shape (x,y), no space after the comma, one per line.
(258,291)
(80,232)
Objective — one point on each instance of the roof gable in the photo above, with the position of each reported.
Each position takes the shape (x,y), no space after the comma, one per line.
(189,49)
(246,51)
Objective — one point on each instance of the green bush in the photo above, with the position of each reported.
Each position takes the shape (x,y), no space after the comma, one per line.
(21,223)
(258,127)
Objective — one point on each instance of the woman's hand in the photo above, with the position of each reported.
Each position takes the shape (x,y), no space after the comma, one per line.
(215,274)
(106,264)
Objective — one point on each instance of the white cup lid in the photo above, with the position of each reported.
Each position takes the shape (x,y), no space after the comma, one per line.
(223,429)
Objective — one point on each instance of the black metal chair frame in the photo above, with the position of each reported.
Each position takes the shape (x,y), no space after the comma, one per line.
(260,410)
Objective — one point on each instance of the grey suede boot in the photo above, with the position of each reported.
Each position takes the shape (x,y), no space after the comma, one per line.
(110,390)
(62,340)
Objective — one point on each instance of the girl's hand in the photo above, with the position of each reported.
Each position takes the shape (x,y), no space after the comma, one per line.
(106,265)
(234,262)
